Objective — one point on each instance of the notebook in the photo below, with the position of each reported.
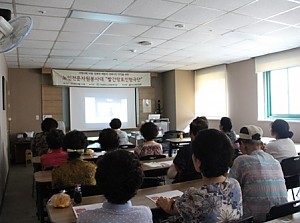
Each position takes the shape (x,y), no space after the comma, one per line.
(168,194)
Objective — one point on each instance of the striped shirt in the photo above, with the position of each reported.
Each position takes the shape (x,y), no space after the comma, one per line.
(262,183)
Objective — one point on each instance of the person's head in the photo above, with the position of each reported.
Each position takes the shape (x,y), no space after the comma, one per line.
(198,124)
(149,131)
(119,175)
(108,139)
(55,139)
(75,143)
(212,153)
(280,129)
(115,123)
(250,138)
(225,124)
(48,124)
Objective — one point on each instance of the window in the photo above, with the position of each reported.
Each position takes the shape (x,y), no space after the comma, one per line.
(211,92)
(282,93)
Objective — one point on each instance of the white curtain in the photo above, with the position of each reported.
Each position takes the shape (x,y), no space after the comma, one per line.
(211,92)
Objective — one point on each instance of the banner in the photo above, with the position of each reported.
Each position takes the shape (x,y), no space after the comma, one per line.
(100,79)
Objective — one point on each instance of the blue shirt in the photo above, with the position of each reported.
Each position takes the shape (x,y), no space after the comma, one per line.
(117,213)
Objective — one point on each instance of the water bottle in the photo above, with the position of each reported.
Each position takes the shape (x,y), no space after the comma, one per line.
(77,194)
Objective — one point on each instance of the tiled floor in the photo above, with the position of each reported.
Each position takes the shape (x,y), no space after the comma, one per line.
(18,204)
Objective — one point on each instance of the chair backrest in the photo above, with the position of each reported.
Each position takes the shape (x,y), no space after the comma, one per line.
(152,157)
(127,146)
(87,190)
(283,210)
(171,134)
(291,166)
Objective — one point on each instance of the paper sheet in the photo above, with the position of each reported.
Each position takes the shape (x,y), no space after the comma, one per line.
(79,209)
(159,164)
(168,194)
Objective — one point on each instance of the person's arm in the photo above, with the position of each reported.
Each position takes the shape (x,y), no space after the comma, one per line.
(168,205)
(172,172)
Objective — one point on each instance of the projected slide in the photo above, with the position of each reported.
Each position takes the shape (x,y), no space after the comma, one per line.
(100,110)
(93,108)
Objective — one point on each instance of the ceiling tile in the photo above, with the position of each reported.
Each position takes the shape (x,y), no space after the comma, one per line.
(127,29)
(104,6)
(70,45)
(65,53)
(47,3)
(84,25)
(76,37)
(261,27)
(112,39)
(163,33)
(30,51)
(158,9)
(265,8)
(27,43)
(172,24)
(195,15)
(219,4)
(41,11)
(42,35)
(195,37)
(47,22)
(291,17)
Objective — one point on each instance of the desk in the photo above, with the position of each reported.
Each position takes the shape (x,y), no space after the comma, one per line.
(175,142)
(294,218)
(66,215)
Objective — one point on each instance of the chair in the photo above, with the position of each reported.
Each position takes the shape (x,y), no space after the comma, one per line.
(127,146)
(86,190)
(283,210)
(152,157)
(291,171)
(244,220)
(169,135)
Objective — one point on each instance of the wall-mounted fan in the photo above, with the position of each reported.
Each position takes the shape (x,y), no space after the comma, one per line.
(13,32)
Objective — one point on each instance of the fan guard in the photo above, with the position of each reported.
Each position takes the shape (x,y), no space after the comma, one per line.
(12,33)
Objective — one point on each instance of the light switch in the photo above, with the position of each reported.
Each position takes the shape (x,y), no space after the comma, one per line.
(37,117)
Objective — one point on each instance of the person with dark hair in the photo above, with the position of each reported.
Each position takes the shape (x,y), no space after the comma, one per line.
(218,197)
(116,124)
(149,131)
(119,175)
(75,170)
(183,168)
(283,147)
(39,144)
(226,127)
(55,156)
(259,175)
(108,139)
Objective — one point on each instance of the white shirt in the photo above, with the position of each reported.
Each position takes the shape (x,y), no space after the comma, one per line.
(281,149)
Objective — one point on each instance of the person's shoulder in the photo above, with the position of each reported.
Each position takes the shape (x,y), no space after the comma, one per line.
(89,164)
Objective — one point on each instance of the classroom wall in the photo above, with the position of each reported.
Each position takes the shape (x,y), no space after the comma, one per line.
(4,163)
(242,99)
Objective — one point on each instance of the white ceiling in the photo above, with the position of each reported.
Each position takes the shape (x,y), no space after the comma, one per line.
(214,32)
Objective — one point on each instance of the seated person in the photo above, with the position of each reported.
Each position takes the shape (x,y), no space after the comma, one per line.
(39,144)
(55,156)
(119,175)
(75,170)
(183,168)
(149,131)
(218,198)
(259,175)
(108,139)
(283,147)
(116,124)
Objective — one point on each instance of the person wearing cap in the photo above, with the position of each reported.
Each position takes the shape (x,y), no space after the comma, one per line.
(75,170)
(259,175)
(283,147)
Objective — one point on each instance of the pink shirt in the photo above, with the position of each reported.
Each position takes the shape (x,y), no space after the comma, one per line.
(55,157)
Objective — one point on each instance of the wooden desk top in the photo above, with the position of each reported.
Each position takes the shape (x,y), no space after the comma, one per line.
(66,215)
(294,218)
(178,140)
(46,176)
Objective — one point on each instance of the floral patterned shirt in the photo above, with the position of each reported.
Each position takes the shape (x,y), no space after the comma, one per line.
(214,203)
(151,149)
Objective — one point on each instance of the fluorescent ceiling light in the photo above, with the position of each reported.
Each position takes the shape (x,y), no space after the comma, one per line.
(114,18)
